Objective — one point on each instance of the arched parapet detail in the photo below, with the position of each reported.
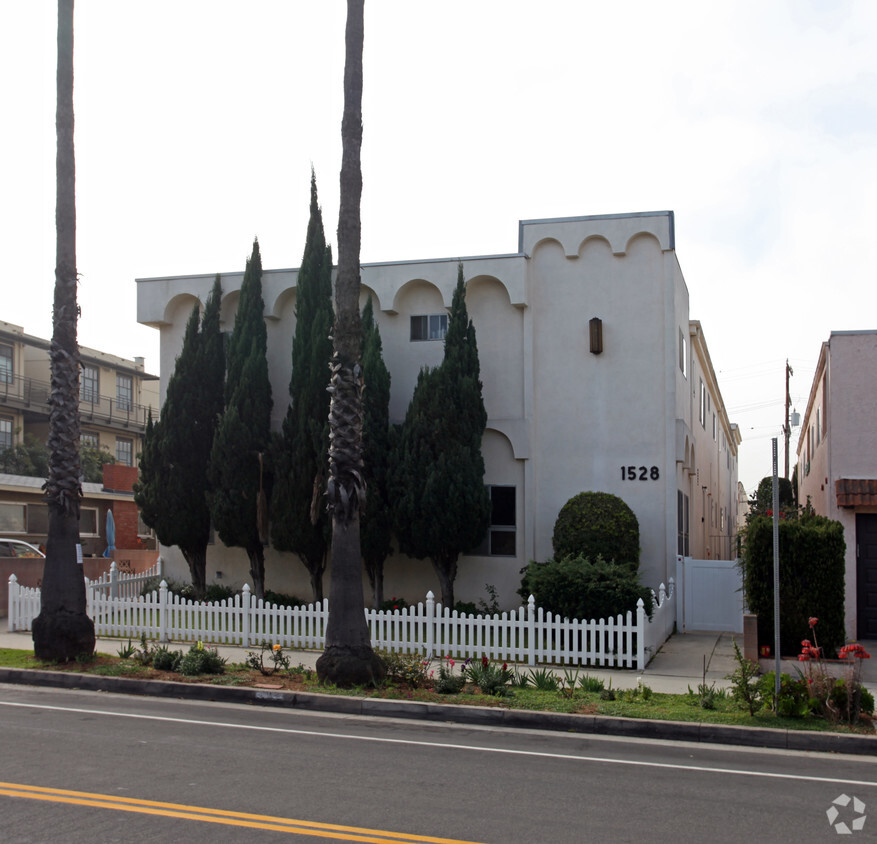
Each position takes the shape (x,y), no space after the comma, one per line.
(593,242)
(282,303)
(181,305)
(228,309)
(515,432)
(419,289)
(641,239)
(484,281)
(364,292)
(278,291)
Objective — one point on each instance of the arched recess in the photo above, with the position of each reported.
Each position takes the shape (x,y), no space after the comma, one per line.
(415,295)
(228,310)
(499,333)
(181,304)
(642,241)
(594,243)
(364,292)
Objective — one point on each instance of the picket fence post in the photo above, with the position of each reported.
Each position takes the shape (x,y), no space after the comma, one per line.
(430,624)
(246,599)
(162,612)
(114,580)
(531,631)
(13,600)
(640,634)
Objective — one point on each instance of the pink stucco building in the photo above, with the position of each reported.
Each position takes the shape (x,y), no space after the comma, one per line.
(837,463)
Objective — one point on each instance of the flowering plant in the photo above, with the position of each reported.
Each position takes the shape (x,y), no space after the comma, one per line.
(278,659)
(449,683)
(835,698)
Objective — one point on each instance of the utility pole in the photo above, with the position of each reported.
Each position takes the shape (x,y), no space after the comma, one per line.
(786,430)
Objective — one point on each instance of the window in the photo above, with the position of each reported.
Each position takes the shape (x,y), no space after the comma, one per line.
(125,451)
(124,391)
(88,522)
(715,428)
(12,518)
(683,355)
(818,425)
(89,439)
(500,539)
(701,417)
(681,524)
(6,370)
(142,528)
(5,432)
(431,327)
(89,386)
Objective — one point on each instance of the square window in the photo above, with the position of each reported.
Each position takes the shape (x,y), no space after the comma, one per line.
(429,327)
(12,518)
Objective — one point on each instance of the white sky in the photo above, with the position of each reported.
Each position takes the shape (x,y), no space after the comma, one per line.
(197,122)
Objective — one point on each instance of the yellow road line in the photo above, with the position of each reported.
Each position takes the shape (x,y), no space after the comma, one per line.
(220,816)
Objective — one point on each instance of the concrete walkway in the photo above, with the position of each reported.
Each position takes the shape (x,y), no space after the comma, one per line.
(684,661)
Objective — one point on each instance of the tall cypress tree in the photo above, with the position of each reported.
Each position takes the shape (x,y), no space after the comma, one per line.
(172,489)
(299,522)
(441,506)
(376,523)
(237,493)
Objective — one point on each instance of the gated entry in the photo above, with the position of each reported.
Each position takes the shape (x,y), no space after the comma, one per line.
(710,596)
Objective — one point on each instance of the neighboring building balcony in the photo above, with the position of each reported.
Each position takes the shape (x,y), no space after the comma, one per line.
(31,397)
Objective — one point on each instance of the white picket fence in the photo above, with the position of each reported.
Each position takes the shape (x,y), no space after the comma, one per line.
(527,635)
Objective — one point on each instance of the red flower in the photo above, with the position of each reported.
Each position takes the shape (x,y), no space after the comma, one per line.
(805,643)
(813,621)
(484,662)
(504,667)
(803,658)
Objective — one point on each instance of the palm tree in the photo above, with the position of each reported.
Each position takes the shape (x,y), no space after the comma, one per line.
(63,631)
(348,658)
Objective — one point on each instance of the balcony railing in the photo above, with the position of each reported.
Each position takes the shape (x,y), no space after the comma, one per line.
(29,394)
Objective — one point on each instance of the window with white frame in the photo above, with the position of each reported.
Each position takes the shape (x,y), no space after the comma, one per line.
(124,391)
(818,425)
(715,428)
(6,432)
(682,547)
(12,517)
(429,327)
(701,417)
(683,353)
(89,439)
(6,367)
(501,536)
(125,451)
(88,522)
(89,385)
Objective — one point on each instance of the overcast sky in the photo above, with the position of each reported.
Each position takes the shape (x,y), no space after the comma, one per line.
(197,123)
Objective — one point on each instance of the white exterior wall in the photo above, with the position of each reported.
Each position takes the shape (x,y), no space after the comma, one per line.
(560,419)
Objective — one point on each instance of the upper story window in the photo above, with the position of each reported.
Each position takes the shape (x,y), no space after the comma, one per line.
(500,540)
(124,391)
(701,413)
(125,451)
(5,432)
(715,428)
(89,386)
(6,369)
(429,327)
(89,439)
(683,354)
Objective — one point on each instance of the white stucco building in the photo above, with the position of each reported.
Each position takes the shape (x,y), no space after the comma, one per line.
(837,463)
(635,411)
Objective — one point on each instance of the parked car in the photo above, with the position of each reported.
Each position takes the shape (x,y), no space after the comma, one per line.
(18,548)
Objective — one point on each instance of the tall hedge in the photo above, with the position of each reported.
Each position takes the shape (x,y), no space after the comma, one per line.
(597,524)
(812,550)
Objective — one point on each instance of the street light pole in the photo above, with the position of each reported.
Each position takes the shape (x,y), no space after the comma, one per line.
(786,430)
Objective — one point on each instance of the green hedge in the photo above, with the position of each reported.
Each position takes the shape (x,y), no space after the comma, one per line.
(576,587)
(812,550)
(597,524)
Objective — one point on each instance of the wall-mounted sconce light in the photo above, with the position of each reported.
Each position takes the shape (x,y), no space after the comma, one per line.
(595,329)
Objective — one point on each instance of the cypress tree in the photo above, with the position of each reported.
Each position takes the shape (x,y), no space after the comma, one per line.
(237,492)
(441,506)
(172,489)
(298,518)
(376,521)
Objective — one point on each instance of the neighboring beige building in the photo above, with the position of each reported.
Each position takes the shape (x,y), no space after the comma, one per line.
(116,396)
(594,378)
(837,463)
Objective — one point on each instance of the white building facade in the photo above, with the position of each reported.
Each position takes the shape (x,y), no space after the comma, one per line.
(633,410)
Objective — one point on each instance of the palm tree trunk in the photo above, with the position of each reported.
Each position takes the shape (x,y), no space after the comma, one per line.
(63,631)
(348,658)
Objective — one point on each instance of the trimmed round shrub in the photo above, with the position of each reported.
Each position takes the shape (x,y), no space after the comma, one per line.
(597,524)
(576,587)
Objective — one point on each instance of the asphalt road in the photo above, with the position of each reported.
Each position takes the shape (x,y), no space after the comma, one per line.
(95,767)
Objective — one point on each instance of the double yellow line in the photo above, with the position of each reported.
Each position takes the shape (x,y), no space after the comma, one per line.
(220,816)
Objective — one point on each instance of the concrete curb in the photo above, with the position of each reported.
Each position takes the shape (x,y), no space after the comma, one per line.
(454,713)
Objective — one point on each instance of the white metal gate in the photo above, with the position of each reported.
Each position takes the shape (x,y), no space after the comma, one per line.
(710,595)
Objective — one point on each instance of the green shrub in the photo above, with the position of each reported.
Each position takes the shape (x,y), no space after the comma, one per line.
(281,600)
(405,668)
(489,677)
(575,587)
(597,524)
(216,592)
(393,604)
(812,551)
(165,659)
(201,660)
(467,607)
(794,699)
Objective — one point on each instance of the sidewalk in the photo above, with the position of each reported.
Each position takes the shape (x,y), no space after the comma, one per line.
(684,661)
